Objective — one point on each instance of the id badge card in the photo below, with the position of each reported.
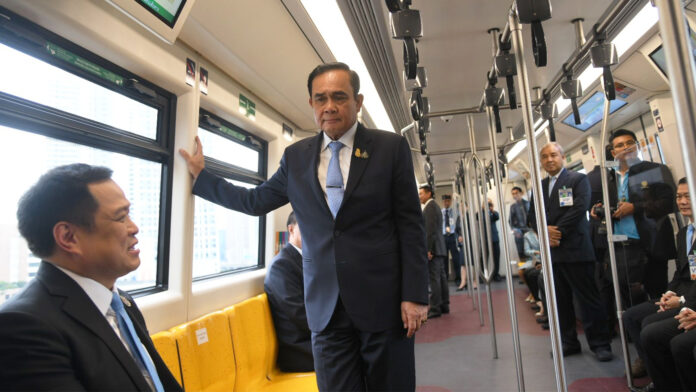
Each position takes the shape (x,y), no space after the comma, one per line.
(565,197)
(692,266)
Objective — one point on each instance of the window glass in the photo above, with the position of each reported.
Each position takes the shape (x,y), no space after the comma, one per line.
(224,240)
(226,150)
(28,156)
(29,78)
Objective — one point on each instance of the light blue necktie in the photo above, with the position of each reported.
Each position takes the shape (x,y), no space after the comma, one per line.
(334,179)
(131,337)
(552,182)
(689,238)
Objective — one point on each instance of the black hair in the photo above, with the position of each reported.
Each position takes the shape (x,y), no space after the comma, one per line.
(607,152)
(621,132)
(516,188)
(291,219)
(61,194)
(323,68)
(682,181)
(428,189)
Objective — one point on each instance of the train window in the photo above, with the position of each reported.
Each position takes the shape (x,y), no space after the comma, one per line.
(29,78)
(226,241)
(60,104)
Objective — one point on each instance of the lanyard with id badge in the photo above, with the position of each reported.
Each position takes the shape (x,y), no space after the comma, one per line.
(565,197)
(692,264)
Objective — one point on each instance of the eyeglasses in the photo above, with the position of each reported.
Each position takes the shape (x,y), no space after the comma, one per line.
(627,144)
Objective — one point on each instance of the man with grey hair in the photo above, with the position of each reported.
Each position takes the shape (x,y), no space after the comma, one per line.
(566,199)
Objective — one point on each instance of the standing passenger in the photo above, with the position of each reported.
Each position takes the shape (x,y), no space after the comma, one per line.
(566,199)
(365,267)
(452,230)
(285,290)
(437,252)
(71,328)
(641,196)
(518,219)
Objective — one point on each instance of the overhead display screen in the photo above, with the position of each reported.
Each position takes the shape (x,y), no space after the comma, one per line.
(658,55)
(592,110)
(166,10)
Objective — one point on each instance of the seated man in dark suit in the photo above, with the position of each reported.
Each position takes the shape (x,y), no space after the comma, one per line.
(681,290)
(667,337)
(71,328)
(285,290)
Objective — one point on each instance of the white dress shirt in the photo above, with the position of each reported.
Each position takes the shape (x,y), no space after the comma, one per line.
(344,157)
(100,295)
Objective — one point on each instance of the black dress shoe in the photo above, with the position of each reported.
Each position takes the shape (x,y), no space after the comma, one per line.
(542,320)
(545,326)
(444,309)
(572,351)
(536,307)
(603,354)
(461,288)
(650,387)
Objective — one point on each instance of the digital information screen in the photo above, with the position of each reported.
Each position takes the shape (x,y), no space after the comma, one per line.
(592,110)
(166,10)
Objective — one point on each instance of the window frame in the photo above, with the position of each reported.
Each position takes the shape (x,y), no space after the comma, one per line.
(233,172)
(28,116)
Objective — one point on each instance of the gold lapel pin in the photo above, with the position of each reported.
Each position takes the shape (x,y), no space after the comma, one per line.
(357,153)
(125,301)
(365,155)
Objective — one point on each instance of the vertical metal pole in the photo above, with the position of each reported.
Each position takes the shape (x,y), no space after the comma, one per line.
(477,252)
(610,243)
(484,217)
(682,74)
(506,252)
(543,234)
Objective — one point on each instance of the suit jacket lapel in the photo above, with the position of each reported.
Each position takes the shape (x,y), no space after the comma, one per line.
(363,142)
(313,151)
(80,307)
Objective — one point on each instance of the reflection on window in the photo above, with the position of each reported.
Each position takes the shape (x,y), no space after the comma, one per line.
(224,240)
(225,150)
(26,77)
(27,156)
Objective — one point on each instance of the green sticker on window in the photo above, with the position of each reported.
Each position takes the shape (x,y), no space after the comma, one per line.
(86,65)
(233,133)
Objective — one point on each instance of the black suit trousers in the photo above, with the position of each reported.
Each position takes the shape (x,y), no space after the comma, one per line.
(637,317)
(439,291)
(670,355)
(347,359)
(453,249)
(576,279)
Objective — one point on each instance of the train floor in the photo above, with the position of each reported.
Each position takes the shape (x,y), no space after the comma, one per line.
(454,352)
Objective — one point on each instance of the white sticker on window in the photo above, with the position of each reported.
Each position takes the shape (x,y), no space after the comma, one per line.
(202,336)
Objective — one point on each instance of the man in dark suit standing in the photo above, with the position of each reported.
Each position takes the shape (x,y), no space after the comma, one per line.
(518,219)
(71,328)
(435,244)
(566,200)
(285,290)
(364,260)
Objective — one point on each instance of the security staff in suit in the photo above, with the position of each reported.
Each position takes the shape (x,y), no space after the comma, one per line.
(668,337)
(285,290)
(71,328)
(452,231)
(364,260)
(437,252)
(642,195)
(566,200)
(681,290)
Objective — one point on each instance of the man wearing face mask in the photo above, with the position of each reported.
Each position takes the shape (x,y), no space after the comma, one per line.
(641,196)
